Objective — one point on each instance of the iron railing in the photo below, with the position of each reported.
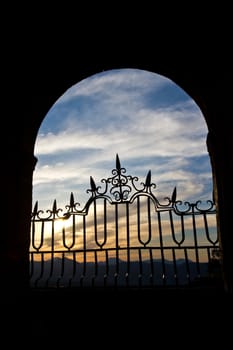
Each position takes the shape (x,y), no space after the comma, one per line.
(124,237)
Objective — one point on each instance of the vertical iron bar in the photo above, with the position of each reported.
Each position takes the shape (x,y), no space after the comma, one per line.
(182,228)
(105,221)
(106,268)
(74,268)
(73,230)
(73,234)
(149,219)
(187,265)
(41,270)
(51,268)
(31,265)
(208,254)
(128,244)
(95,222)
(95,269)
(140,268)
(138,220)
(62,270)
(161,248)
(117,244)
(151,267)
(52,254)
(84,252)
(33,234)
(195,242)
(207,230)
(172,227)
(52,236)
(41,236)
(175,266)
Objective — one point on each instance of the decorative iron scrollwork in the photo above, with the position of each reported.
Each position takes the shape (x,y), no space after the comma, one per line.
(123,188)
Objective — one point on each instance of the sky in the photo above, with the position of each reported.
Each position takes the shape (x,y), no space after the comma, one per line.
(145,118)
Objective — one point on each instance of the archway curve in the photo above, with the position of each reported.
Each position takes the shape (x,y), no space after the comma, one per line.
(177,89)
(189,81)
(63,83)
(208,81)
(97,74)
(210,94)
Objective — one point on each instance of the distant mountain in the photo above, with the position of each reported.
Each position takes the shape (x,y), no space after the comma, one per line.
(65,272)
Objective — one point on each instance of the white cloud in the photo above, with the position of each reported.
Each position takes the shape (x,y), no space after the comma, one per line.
(119,119)
(128,82)
(163,132)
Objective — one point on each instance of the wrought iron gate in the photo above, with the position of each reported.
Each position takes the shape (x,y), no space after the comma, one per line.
(124,237)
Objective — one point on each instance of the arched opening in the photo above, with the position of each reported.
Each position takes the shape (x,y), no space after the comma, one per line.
(151,112)
(212,93)
(135,113)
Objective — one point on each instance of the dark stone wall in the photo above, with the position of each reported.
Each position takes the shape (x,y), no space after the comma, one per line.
(33,87)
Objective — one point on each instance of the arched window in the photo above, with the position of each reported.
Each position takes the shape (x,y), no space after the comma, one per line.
(158,134)
(144,117)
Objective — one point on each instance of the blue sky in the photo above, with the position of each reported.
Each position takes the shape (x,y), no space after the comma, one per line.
(147,119)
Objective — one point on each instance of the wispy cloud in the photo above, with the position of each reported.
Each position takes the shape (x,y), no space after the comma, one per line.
(158,132)
(127,82)
(145,118)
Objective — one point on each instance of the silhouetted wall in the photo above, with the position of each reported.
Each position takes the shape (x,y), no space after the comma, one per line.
(36,87)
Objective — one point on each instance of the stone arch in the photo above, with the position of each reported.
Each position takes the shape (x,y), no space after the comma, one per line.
(200,86)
